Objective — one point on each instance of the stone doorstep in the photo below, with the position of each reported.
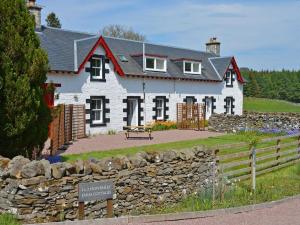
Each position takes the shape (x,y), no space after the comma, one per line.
(174,216)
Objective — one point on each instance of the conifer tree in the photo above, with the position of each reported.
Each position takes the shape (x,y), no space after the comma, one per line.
(53,21)
(24,116)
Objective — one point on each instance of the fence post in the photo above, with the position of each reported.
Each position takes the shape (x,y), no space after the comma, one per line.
(278,151)
(215,161)
(299,145)
(253,167)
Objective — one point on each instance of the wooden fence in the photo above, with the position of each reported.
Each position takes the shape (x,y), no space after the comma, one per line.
(270,154)
(191,116)
(68,124)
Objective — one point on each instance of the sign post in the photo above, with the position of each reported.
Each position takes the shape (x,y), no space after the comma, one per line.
(95,191)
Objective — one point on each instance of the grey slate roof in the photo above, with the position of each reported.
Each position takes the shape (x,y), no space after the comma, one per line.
(68,48)
(59,44)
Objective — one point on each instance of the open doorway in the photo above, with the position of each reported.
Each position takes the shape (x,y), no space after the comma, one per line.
(132,112)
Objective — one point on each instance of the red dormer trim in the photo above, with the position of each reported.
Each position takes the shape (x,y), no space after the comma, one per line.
(236,69)
(109,54)
(150,55)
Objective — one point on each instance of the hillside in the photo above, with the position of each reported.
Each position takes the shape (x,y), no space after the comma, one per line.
(269,105)
(284,85)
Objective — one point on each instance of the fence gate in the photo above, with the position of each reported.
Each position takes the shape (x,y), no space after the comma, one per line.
(191,116)
(68,124)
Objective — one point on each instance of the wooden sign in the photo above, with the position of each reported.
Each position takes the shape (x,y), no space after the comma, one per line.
(93,191)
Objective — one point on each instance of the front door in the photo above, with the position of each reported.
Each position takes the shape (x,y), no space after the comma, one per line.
(132,112)
(208,106)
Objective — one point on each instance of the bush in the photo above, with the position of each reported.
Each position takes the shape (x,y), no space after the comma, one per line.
(163,125)
(8,219)
(24,115)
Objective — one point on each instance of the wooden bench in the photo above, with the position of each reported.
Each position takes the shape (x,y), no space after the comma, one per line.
(137,130)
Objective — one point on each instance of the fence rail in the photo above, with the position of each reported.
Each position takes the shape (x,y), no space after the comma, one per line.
(270,154)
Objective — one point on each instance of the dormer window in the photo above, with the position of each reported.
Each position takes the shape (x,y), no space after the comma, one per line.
(190,67)
(96,67)
(229,78)
(156,64)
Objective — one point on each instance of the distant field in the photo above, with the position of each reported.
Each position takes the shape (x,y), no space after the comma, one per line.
(269,105)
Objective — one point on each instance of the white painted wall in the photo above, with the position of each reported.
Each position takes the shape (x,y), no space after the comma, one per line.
(76,88)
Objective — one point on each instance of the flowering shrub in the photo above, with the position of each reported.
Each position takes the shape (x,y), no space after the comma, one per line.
(163,125)
(54,159)
(275,131)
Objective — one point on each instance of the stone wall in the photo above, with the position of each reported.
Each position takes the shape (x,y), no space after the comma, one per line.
(38,192)
(229,123)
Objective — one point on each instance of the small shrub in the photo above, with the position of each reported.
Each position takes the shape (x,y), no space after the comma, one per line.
(163,125)
(111,132)
(8,219)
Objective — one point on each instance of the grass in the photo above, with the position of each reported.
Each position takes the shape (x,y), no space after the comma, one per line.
(209,142)
(269,105)
(212,141)
(7,219)
(270,187)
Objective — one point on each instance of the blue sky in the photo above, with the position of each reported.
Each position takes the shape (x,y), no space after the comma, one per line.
(260,34)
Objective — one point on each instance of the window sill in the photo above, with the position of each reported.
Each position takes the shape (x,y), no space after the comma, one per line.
(98,79)
(97,124)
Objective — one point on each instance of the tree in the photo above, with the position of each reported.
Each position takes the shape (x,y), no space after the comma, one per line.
(53,21)
(24,115)
(120,31)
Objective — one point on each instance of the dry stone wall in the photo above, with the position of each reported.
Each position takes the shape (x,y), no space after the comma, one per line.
(39,192)
(233,123)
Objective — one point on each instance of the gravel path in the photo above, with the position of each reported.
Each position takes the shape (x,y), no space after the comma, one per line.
(287,213)
(108,142)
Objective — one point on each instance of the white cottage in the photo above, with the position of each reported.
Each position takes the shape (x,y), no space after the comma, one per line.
(126,83)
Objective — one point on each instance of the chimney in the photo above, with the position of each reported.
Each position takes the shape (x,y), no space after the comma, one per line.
(35,10)
(213,46)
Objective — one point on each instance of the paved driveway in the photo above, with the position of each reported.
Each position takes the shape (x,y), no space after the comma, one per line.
(286,213)
(108,142)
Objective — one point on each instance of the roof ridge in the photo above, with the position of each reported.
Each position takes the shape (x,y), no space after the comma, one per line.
(67,30)
(87,38)
(221,57)
(163,45)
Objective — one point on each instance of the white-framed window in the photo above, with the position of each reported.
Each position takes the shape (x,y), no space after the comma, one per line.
(192,67)
(97,110)
(228,105)
(160,109)
(229,78)
(96,67)
(156,64)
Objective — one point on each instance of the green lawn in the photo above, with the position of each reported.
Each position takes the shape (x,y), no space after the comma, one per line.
(209,142)
(270,187)
(269,105)
(212,141)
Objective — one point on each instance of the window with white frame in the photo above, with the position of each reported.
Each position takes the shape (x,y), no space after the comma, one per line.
(192,67)
(160,109)
(228,105)
(96,68)
(156,64)
(97,111)
(229,78)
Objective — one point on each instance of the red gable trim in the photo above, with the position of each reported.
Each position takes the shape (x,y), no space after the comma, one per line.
(109,54)
(237,70)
